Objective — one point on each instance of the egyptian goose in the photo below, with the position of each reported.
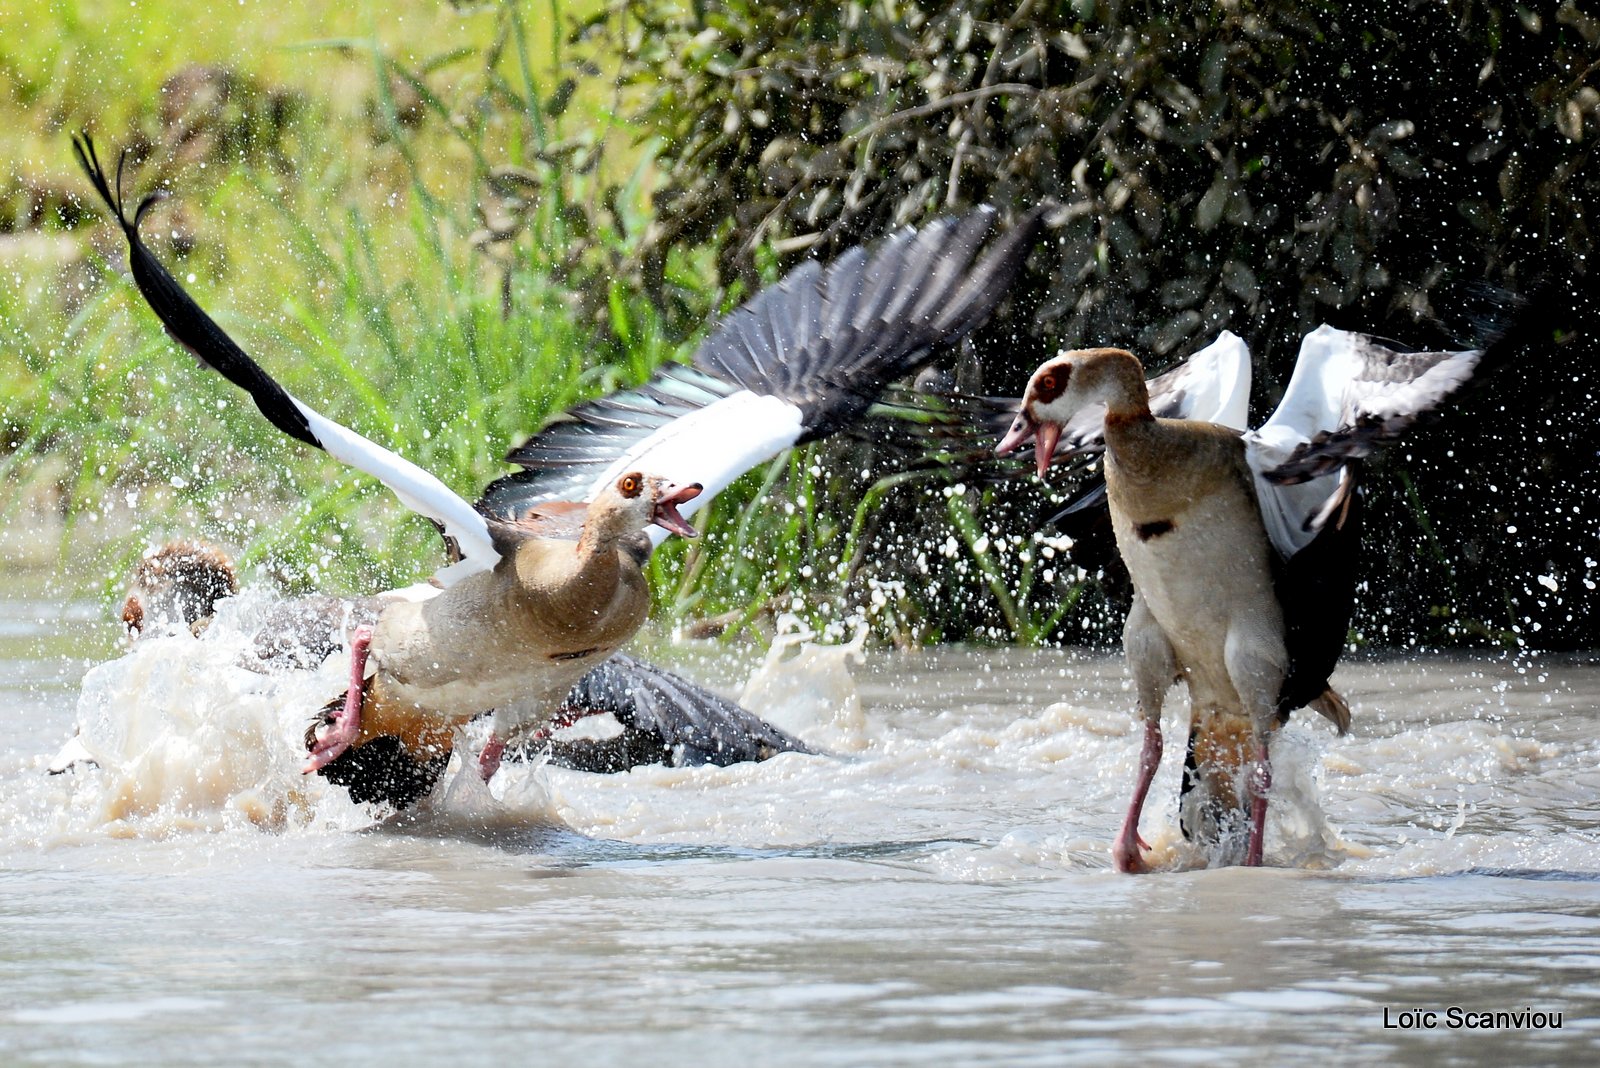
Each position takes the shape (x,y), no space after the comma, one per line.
(174,585)
(795,363)
(1241,546)
(511,624)
(177,583)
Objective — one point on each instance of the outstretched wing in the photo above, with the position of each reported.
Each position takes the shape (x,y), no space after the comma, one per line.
(1349,395)
(683,425)
(196,331)
(665,719)
(797,362)
(1211,386)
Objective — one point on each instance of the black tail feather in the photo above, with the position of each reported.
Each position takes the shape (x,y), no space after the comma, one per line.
(381,772)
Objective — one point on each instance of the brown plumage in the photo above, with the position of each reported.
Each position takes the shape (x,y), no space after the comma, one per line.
(514,639)
(1206,608)
(179,582)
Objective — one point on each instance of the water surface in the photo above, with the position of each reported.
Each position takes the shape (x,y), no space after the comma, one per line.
(935,891)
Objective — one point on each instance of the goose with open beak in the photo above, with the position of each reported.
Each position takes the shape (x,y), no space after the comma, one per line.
(515,638)
(799,361)
(511,626)
(1241,545)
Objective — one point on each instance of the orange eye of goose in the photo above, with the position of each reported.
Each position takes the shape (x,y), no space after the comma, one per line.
(628,485)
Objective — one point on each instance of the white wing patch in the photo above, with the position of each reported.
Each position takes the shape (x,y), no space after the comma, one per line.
(417,489)
(1293,515)
(1215,383)
(1314,402)
(1340,379)
(712,446)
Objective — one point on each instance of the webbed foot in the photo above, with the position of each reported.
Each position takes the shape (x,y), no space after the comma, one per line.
(345,726)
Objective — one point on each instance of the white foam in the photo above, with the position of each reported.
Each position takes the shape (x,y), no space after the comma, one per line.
(806,687)
(184,731)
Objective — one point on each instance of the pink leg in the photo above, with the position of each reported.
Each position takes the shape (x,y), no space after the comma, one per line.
(1260,783)
(1125,854)
(346,726)
(565,717)
(494,749)
(489,759)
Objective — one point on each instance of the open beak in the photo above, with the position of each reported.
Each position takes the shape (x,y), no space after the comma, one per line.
(666,514)
(1044,445)
(1045,435)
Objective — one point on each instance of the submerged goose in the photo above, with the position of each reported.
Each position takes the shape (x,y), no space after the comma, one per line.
(1240,545)
(177,583)
(797,362)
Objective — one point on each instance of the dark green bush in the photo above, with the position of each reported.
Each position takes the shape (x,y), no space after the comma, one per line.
(1253,165)
(1256,166)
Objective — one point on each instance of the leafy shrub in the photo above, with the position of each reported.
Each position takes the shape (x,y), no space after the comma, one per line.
(1253,164)
(1250,165)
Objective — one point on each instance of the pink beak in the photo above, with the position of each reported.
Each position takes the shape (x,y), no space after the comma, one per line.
(1045,435)
(666,514)
(1021,430)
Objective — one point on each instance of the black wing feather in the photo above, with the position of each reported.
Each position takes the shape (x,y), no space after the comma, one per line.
(1317,589)
(827,339)
(185,320)
(667,718)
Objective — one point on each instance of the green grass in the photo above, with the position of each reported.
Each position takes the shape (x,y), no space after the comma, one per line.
(429,365)
(343,263)
(347,257)
(346,266)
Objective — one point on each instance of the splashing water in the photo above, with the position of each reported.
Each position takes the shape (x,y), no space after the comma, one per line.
(806,688)
(190,733)
(201,733)
(936,882)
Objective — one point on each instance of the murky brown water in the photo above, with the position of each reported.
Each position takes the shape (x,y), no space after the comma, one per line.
(937,892)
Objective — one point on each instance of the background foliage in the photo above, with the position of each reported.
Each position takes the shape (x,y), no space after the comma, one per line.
(1261,167)
(443,221)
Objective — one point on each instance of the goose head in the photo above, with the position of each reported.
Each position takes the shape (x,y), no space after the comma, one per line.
(178,583)
(636,500)
(1065,386)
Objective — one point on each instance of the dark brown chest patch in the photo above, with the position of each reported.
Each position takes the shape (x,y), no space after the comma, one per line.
(1153,529)
(1052,382)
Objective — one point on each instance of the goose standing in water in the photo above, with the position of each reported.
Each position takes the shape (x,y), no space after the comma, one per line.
(798,362)
(1240,546)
